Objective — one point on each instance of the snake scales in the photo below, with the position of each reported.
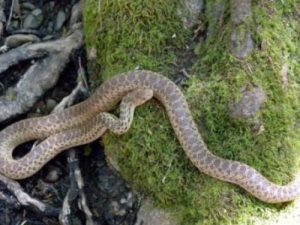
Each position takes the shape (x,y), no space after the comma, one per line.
(85,121)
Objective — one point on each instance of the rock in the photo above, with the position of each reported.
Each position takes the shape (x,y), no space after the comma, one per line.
(76,13)
(60,20)
(249,104)
(240,11)
(149,215)
(53,174)
(241,42)
(34,19)
(50,104)
(216,18)
(13,41)
(190,12)
(117,210)
(2,15)
(15,24)
(50,27)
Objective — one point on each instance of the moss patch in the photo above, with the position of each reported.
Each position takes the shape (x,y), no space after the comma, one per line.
(147,34)
(133,34)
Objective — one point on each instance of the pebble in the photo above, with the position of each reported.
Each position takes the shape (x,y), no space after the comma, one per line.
(50,104)
(249,104)
(60,20)
(53,175)
(116,209)
(190,12)
(34,19)
(15,24)
(76,13)
(19,39)
(149,215)
(241,42)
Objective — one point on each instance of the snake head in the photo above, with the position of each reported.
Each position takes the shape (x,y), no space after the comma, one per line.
(138,96)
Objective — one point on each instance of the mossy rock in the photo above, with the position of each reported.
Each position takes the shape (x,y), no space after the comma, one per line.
(149,35)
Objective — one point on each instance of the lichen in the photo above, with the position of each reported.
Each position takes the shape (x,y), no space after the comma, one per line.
(149,35)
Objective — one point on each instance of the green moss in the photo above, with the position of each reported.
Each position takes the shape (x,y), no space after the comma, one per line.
(129,34)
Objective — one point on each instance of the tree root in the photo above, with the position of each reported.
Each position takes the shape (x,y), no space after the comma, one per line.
(24,199)
(75,192)
(76,188)
(41,76)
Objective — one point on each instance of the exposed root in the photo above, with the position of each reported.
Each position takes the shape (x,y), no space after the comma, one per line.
(41,75)
(24,199)
(75,193)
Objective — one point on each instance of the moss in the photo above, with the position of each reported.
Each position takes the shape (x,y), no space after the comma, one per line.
(130,34)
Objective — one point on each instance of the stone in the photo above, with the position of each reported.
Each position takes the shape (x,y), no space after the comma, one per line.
(241,42)
(216,18)
(15,40)
(149,215)
(15,24)
(76,13)
(240,11)
(53,175)
(60,20)
(190,12)
(249,104)
(50,27)
(34,19)
(50,104)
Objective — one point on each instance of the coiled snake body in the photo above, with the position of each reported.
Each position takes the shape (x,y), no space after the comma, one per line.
(88,120)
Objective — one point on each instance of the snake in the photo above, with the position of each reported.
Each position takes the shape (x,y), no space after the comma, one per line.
(90,119)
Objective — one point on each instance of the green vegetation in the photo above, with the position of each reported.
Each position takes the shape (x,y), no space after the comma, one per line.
(131,34)
(148,34)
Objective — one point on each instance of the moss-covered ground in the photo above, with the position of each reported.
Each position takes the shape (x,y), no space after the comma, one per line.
(148,35)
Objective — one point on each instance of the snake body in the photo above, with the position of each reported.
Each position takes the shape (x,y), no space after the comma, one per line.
(75,126)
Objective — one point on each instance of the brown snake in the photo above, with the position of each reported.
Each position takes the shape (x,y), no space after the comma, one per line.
(88,120)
